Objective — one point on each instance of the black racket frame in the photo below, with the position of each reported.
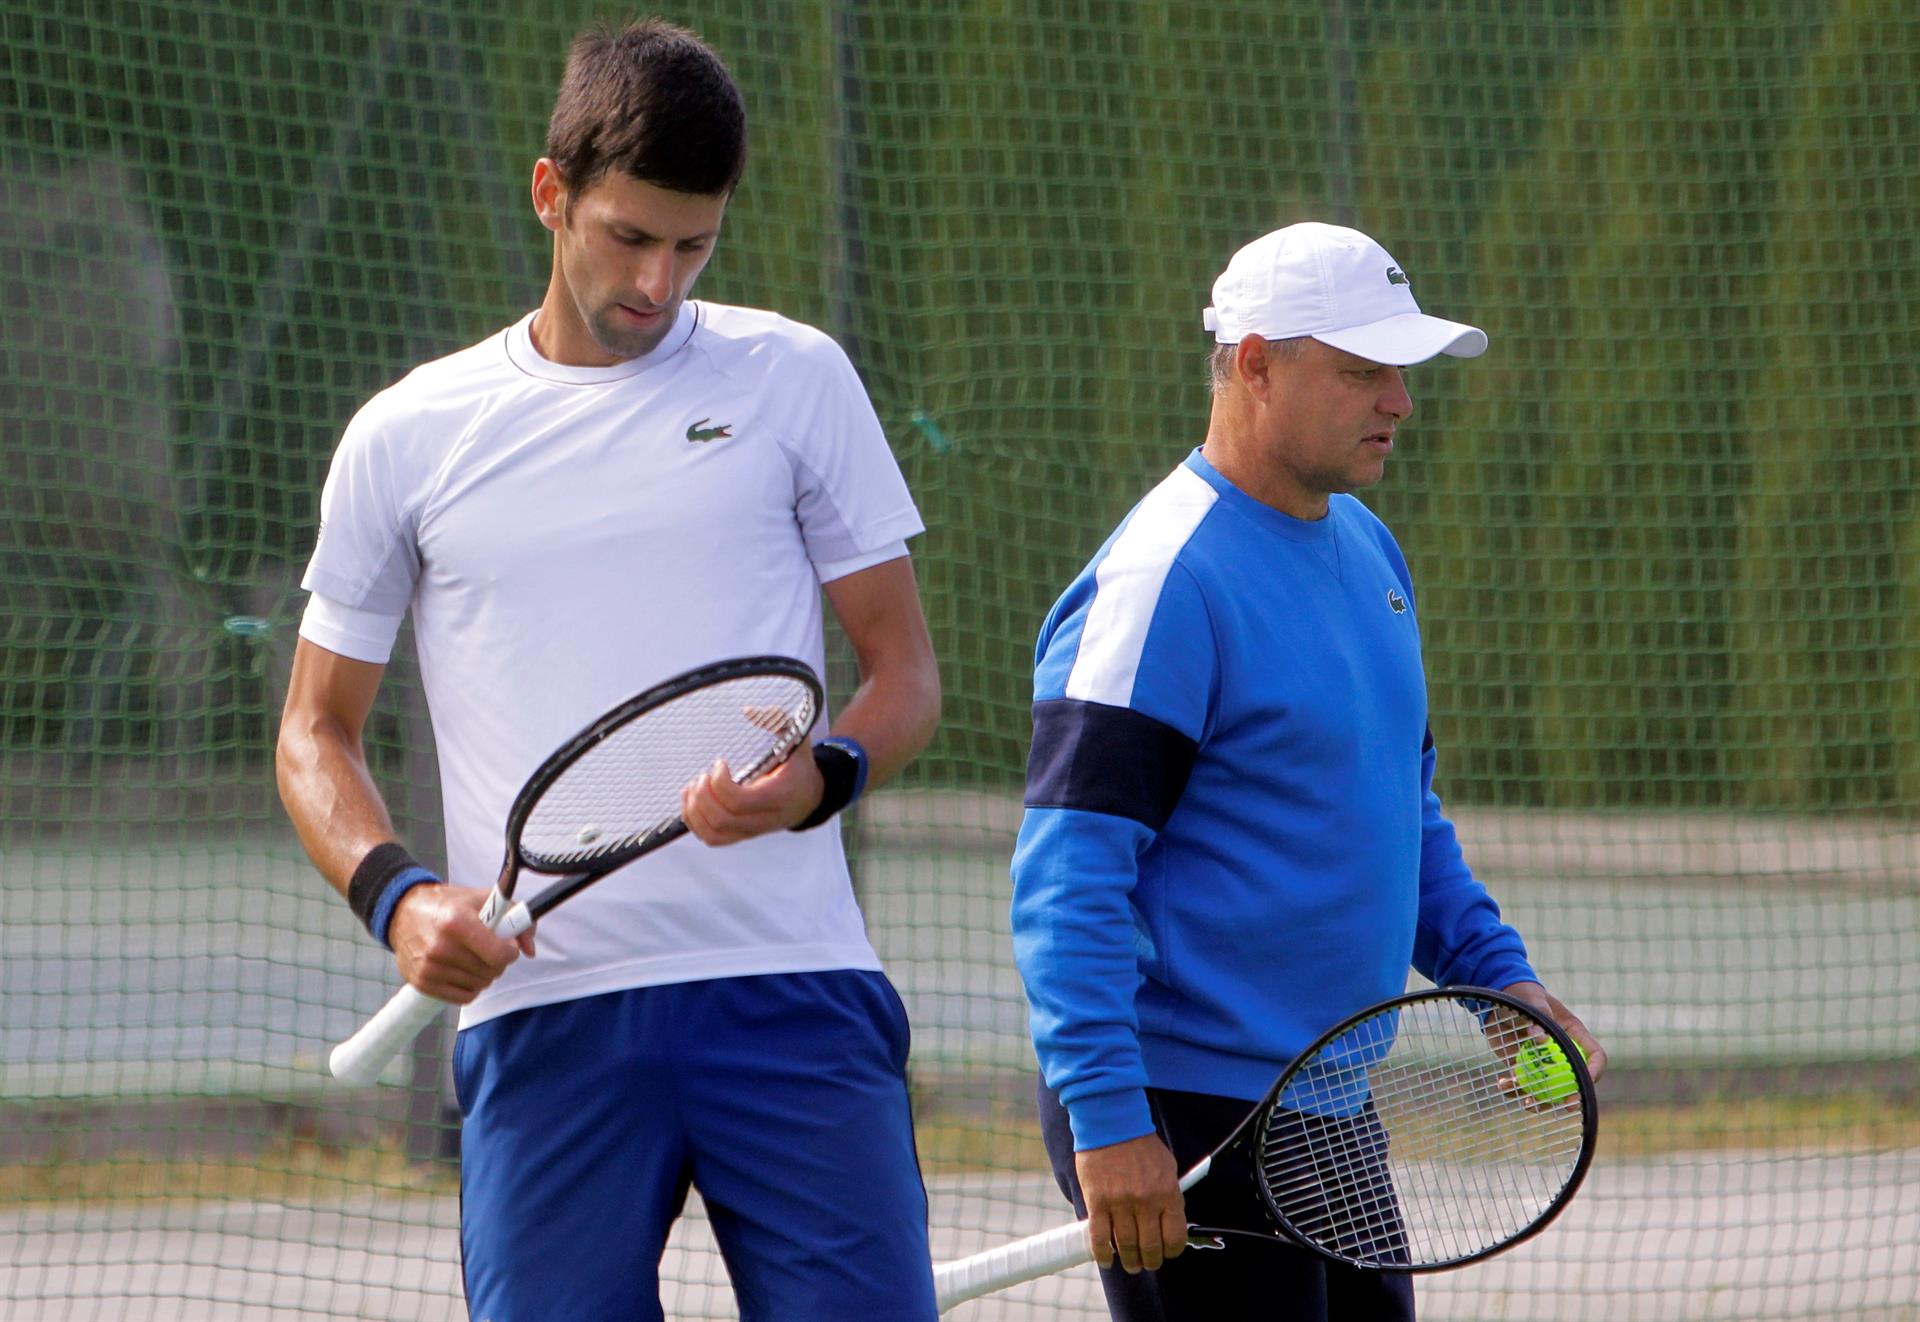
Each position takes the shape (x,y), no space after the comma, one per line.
(548,772)
(1249,1135)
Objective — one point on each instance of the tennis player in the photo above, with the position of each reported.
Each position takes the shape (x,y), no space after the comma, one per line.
(1231,839)
(621,485)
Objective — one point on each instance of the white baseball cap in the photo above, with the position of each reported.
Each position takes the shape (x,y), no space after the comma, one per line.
(1338,286)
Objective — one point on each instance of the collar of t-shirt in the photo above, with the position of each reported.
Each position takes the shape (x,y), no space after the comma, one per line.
(522,354)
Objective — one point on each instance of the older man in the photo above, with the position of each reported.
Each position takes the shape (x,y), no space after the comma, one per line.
(1231,838)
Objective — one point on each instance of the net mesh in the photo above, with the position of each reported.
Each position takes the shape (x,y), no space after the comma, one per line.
(1420,1136)
(1664,538)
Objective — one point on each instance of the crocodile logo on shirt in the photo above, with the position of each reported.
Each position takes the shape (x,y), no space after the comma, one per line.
(1397,602)
(699,431)
(1396,276)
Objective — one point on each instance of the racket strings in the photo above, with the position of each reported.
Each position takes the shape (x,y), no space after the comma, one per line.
(1406,1142)
(626,787)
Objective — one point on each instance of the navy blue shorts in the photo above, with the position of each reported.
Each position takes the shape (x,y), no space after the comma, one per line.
(782,1098)
(1273,1281)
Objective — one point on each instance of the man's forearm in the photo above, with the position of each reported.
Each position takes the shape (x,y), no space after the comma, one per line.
(320,765)
(893,712)
(331,799)
(892,715)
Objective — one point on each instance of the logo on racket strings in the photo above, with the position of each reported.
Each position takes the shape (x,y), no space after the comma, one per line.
(699,431)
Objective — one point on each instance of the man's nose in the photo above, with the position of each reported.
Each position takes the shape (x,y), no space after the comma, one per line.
(1396,401)
(654,278)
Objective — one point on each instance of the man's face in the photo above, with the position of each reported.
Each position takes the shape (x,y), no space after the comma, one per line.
(1331,420)
(625,256)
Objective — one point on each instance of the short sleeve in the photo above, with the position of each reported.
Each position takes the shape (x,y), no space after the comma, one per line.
(849,495)
(359,635)
(366,554)
(893,550)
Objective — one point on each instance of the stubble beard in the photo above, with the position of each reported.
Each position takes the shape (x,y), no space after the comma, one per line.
(623,342)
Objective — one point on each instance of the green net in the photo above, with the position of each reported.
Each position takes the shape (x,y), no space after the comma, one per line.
(1664,533)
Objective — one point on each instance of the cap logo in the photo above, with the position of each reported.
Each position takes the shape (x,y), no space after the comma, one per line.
(1396,276)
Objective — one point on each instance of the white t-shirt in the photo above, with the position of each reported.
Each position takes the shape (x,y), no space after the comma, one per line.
(567,536)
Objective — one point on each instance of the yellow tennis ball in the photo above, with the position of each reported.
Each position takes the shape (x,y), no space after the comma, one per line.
(1543,1071)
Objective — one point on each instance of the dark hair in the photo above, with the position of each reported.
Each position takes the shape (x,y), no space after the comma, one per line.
(652,100)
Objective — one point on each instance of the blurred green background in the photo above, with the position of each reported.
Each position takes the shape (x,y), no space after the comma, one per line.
(1663,536)
(1663,531)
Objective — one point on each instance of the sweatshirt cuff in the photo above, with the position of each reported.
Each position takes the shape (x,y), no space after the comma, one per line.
(1110,1117)
(1506,972)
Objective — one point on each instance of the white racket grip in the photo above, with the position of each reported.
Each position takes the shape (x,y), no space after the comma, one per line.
(361,1057)
(1023,1260)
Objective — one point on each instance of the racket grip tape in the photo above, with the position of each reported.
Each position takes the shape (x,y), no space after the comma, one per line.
(1023,1260)
(361,1057)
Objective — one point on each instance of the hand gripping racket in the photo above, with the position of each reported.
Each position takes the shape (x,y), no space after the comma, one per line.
(612,793)
(1426,1132)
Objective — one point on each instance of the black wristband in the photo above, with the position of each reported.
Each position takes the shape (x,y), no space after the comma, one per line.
(384,875)
(843,766)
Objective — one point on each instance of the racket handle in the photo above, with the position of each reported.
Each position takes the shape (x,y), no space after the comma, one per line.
(361,1057)
(1023,1260)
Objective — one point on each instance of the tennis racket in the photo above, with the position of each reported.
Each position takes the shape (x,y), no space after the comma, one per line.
(610,794)
(1425,1132)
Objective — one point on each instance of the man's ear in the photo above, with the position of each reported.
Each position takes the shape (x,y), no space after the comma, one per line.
(1253,362)
(549,194)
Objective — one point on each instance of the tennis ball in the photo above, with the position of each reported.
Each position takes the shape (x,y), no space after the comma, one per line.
(1543,1071)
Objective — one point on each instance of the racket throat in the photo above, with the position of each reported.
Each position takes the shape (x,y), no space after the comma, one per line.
(1197,1237)
(505,917)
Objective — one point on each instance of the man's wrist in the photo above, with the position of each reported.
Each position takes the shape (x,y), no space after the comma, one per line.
(843,773)
(386,874)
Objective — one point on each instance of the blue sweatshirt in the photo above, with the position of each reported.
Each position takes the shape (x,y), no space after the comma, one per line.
(1231,839)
